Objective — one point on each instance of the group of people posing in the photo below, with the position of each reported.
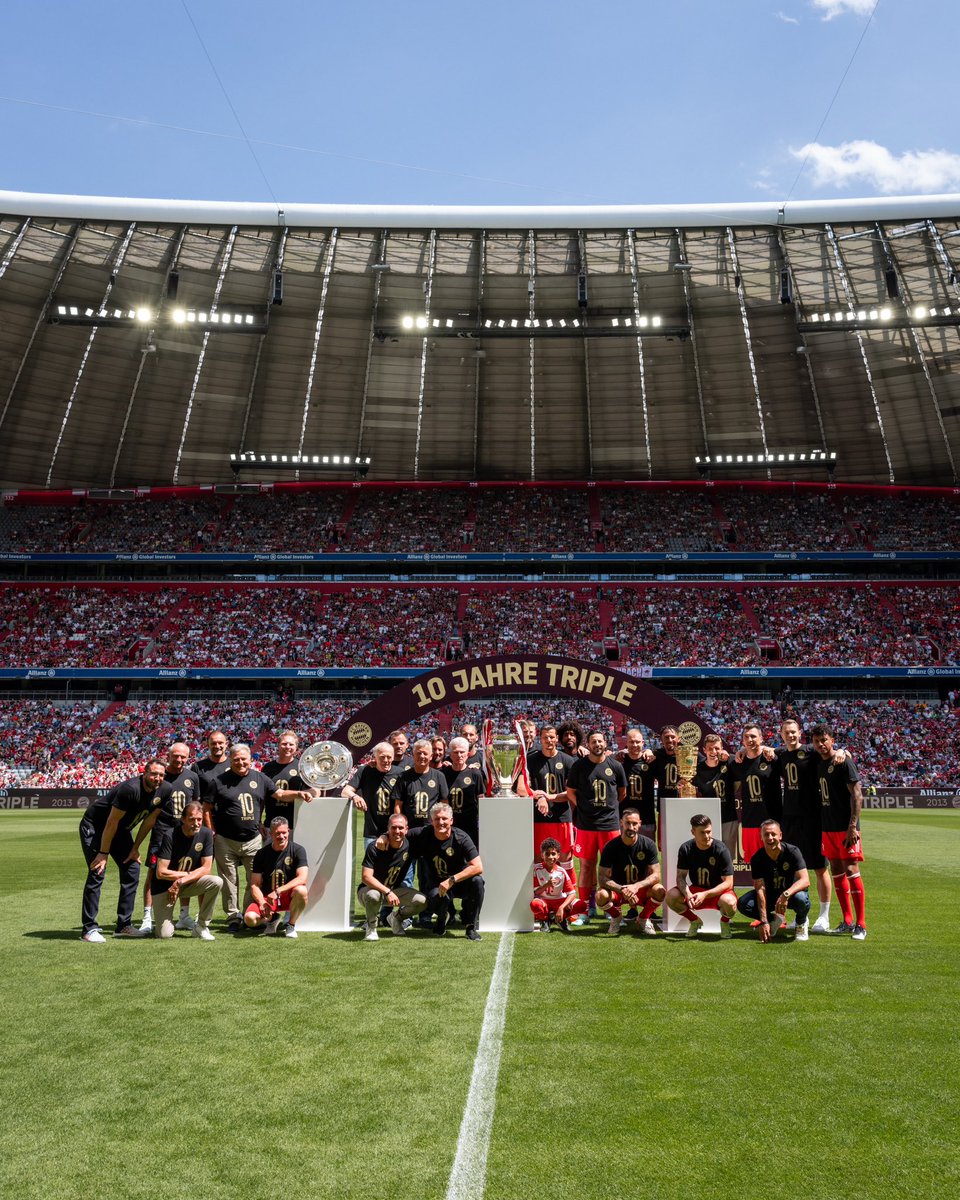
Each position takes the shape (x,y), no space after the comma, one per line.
(790,810)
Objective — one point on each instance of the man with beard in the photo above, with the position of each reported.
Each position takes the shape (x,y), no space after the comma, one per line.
(184,787)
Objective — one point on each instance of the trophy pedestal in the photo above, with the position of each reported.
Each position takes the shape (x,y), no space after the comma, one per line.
(324,828)
(675,814)
(505,825)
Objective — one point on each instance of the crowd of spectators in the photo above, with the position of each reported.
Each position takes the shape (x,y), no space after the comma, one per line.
(78,626)
(931,613)
(636,521)
(523,520)
(676,626)
(282,522)
(802,520)
(543,620)
(493,519)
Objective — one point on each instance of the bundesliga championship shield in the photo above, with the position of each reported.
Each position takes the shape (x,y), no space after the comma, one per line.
(325,765)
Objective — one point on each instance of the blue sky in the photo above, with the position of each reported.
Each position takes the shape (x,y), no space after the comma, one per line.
(496,102)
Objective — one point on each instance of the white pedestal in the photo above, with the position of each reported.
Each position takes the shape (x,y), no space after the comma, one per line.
(675,817)
(506,824)
(324,828)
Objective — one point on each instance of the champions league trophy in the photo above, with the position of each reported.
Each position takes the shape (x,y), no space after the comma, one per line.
(688,742)
(325,765)
(505,751)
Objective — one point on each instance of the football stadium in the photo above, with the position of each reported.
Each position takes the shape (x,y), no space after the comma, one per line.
(387,590)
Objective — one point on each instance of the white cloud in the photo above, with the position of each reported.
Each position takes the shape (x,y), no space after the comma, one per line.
(864,162)
(835,8)
(782,16)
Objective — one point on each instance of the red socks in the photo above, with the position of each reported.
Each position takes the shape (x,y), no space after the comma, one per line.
(856,890)
(841,886)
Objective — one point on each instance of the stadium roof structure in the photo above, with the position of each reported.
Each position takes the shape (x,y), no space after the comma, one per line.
(142,342)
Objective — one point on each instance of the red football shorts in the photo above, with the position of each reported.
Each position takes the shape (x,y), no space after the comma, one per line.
(590,842)
(281,904)
(561,830)
(833,847)
(713,902)
(751,840)
(541,907)
(642,897)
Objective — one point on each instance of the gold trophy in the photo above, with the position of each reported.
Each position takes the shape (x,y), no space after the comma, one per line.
(688,742)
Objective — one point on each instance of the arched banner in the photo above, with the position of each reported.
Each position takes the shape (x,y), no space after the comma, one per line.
(504,675)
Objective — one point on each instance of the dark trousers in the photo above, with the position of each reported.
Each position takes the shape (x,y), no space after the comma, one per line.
(129,876)
(468,891)
(799,902)
(470,824)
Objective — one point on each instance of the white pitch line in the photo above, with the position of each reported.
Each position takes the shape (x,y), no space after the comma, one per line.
(469,1174)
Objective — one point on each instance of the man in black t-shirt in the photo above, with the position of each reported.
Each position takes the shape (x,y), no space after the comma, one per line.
(464,788)
(372,789)
(780,881)
(547,769)
(797,767)
(233,812)
(420,786)
(704,878)
(106,831)
(760,798)
(630,872)
(284,770)
(841,800)
(641,784)
(278,882)
(185,786)
(401,749)
(452,868)
(214,763)
(381,881)
(596,787)
(183,864)
(713,779)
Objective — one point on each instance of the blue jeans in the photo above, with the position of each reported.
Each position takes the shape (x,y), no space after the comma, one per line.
(799,903)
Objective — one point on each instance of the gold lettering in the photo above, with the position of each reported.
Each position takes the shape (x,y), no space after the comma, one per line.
(456,799)
(529,674)
(793,776)
(421,695)
(594,679)
(568,678)
(440,866)
(703,877)
(631,874)
(608,688)
(459,680)
(754,787)
(553,670)
(625,695)
(494,675)
(511,673)
(477,680)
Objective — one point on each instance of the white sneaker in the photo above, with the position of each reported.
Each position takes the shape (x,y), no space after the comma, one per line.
(803,932)
(92,935)
(130,931)
(821,924)
(201,932)
(290,931)
(776,924)
(146,925)
(647,928)
(859,933)
(694,927)
(371,934)
(396,925)
(615,923)
(186,921)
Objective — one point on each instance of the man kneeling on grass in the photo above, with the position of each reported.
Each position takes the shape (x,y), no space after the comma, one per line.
(780,881)
(278,882)
(184,858)
(704,878)
(630,872)
(453,869)
(381,876)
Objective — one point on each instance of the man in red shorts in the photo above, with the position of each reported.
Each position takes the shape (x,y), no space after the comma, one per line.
(547,769)
(596,787)
(278,882)
(704,878)
(841,799)
(630,873)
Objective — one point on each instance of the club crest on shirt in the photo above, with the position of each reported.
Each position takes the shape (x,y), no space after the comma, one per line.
(188,783)
(431,783)
(449,852)
(801,755)
(712,861)
(830,769)
(764,767)
(293,772)
(253,785)
(287,861)
(198,846)
(466,781)
(607,771)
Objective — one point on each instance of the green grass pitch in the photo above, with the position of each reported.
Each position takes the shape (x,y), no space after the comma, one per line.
(631,1068)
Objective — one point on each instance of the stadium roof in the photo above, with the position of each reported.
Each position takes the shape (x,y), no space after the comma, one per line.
(144,341)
